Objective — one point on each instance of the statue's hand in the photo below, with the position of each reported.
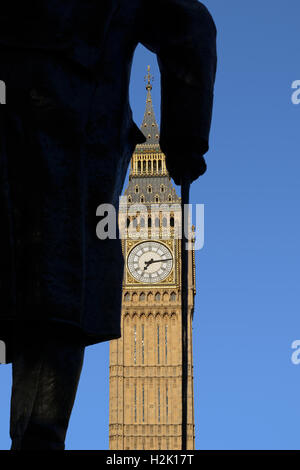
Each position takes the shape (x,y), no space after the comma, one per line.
(188,167)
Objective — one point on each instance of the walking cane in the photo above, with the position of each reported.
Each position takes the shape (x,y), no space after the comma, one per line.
(185,189)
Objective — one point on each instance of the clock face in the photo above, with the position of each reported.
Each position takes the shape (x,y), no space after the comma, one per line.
(150,262)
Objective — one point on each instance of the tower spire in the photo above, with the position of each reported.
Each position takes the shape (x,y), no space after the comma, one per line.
(149,125)
(149,78)
(148,159)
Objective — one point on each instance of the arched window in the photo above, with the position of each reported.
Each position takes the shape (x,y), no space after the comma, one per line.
(166,344)
(142,222)
(136,189)
(135,401)
(172,221)
(156,199)
(157,222)
(154,165)
(170,198)
(149,222)
(164,222)
(127,297)
(142,297)
(129,199)
(157,296)
(142,199)
(143,338)
(158,344)
(149,189)
(134,344)
(173,297)
(162,188)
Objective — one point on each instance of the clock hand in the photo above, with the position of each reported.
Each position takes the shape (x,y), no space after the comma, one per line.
(155,261)
(147,263)
(161,260)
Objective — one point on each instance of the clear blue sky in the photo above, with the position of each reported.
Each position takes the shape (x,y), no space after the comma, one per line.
(248,299)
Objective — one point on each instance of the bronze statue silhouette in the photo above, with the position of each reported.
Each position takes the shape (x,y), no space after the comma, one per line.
(66,139)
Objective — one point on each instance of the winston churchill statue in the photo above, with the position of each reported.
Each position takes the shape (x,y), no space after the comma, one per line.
(66,139)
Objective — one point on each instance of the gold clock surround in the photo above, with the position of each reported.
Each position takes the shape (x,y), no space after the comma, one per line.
(172,278)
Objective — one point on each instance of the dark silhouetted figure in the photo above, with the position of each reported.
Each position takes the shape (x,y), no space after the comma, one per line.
(66,139)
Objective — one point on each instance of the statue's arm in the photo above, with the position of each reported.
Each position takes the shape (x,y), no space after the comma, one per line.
(183,35)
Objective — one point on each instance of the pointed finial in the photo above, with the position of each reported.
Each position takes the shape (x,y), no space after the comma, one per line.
(148,79)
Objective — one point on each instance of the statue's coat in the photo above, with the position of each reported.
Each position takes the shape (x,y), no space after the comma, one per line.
(66,139)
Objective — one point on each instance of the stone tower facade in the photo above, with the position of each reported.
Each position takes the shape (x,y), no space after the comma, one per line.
(146,363)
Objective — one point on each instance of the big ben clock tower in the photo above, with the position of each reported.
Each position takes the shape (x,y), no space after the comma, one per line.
(146,363)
